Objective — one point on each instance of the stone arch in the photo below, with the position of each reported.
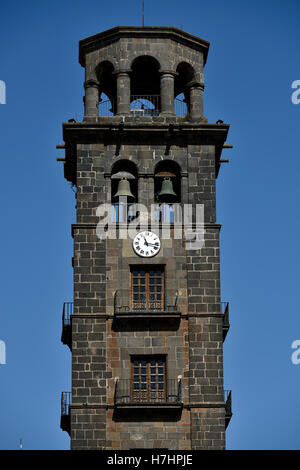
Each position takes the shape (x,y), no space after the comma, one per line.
(167,169)
(107,80)
(123,163)
(145,75)
(185,75)
(124,168)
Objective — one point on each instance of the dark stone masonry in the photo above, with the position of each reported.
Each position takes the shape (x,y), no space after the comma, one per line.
(145,332)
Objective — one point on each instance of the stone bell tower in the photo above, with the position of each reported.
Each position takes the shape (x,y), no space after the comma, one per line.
(147,325)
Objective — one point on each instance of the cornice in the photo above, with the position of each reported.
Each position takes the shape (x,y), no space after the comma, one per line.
(109,36)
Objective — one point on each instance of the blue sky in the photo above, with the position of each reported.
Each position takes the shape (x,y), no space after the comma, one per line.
(252,62)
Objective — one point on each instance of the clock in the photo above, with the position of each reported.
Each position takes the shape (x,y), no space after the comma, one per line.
(146,244)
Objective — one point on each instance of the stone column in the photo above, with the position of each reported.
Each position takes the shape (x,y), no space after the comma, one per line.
(123,93)
(91,100)
(167,93)
(196,101)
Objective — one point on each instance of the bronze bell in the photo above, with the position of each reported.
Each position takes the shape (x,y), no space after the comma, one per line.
(167,193)
(124,189)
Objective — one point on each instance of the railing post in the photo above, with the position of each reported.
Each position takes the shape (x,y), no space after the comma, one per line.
(179,391)
(116,391)
(115,301)
(176,301)
(63,316)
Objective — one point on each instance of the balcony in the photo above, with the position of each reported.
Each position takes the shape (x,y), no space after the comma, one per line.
(228,409)
(66,335)
(225,314)
(144,309)
(66,399)
(144,396)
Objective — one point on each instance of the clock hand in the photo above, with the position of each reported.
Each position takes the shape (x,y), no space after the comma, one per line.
(149,244)
(145,241)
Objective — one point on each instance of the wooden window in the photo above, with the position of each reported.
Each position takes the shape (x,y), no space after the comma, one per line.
(148,379)
(147,288)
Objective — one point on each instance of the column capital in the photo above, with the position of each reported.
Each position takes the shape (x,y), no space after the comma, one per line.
(168,72)
(194,84)
(120,73)
(91,83)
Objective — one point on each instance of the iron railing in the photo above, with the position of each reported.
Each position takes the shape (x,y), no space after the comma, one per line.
(148,393)
(228,406)
(65,421)
(144,306)
(180,107)
(66,334)
(106,108)
(67,312)
(66,400)
(145,105)
(225,313)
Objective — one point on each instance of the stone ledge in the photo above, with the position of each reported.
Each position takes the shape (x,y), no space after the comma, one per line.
(93,226)
(133,315)
(145,405)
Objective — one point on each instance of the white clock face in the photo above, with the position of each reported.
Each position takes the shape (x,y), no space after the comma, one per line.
(146,244)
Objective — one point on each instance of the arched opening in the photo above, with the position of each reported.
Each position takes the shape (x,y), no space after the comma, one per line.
(107,89)
(145,87)
(106,106)
(167,191)
(124,190)
(180,105)
(184,77)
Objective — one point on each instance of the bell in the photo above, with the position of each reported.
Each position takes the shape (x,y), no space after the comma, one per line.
(124,189)
(166,193)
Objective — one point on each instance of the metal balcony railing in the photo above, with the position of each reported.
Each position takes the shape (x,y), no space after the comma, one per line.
(142,105)
(106,108)
(67,312)
(225,313)
(66,400)
(180,107)
(228,406)
(144,306)
(145,105)
(66,335)
(148,393)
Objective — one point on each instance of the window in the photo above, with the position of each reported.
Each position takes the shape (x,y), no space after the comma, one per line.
(147,288)
(148,379)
